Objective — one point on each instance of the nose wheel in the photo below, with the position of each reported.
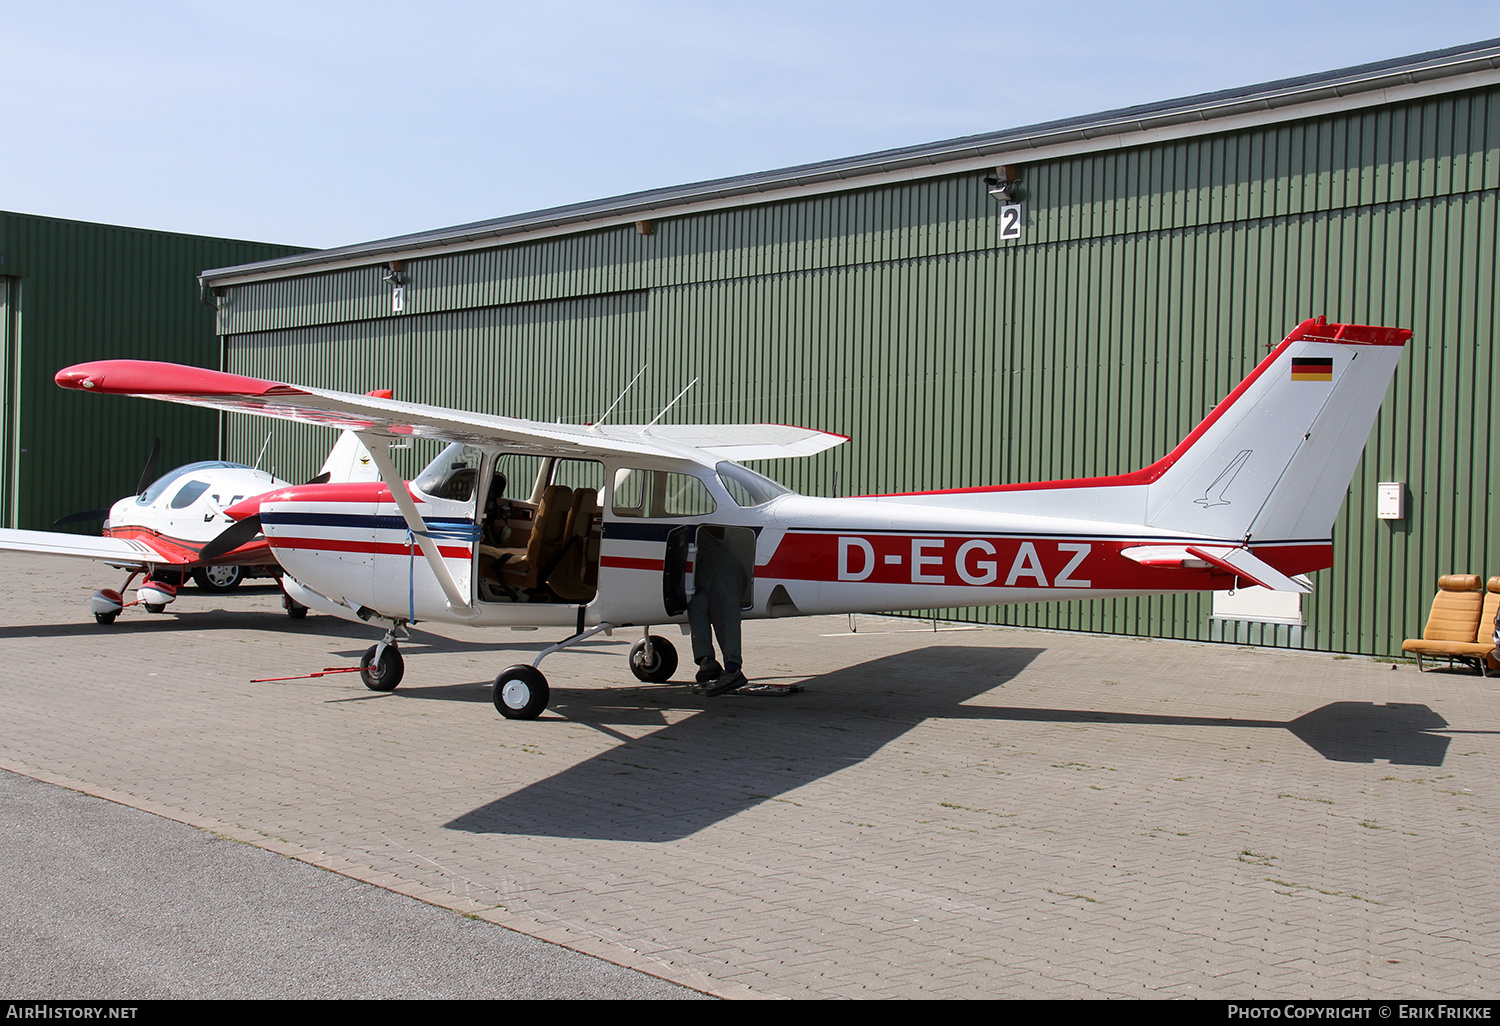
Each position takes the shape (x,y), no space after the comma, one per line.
(381,671)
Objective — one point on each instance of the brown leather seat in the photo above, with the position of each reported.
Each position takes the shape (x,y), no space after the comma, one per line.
(523,568)
(1461,624)
(576,576)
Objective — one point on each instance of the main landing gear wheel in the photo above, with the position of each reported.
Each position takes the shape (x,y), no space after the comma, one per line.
(653,659)
(154,607)
(105,618)
(385,676)
(521,693)
(296,610)
(217,579)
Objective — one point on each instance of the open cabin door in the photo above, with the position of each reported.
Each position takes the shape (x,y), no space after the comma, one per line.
(681,567)
(540,529)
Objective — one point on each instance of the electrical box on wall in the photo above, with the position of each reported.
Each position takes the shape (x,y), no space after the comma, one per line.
(1390,500)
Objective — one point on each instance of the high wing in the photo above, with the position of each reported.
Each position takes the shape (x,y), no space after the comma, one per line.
(124,551)
(197,386)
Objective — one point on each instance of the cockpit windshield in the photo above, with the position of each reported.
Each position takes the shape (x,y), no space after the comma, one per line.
(453,474)
(164,482)
(746,487)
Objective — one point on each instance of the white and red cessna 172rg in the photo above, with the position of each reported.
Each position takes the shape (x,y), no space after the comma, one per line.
(592,527)
(160,535)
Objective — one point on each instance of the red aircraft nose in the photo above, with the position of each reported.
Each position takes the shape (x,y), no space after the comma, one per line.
(245,508)
(345,492)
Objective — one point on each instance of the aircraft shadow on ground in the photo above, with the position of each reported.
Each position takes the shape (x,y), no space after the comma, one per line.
(741,751)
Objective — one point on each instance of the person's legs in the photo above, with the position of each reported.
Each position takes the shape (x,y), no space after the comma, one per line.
(700,623)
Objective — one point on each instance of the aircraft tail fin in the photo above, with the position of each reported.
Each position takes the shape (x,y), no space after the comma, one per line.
(1274,459)
(348,460)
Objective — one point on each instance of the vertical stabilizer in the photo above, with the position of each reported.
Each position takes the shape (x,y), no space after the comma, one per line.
(348,460)
(1273,460)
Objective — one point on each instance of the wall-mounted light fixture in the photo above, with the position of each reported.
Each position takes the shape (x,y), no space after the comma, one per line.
(1003,184)
(394,275)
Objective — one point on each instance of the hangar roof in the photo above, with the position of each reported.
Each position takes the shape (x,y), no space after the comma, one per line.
(1403,78)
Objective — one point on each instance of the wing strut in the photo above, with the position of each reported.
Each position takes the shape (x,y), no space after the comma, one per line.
(458,603)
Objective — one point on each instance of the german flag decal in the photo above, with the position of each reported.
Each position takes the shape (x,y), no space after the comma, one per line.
(1312,368)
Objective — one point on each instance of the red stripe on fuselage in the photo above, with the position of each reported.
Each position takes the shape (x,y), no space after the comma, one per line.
(631,563)
(1005,562)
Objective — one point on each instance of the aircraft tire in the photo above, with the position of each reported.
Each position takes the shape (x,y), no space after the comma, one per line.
(521,693)
(388,674)
(663,659)
(152,607)
(296,612)
(218,579)
(105,618)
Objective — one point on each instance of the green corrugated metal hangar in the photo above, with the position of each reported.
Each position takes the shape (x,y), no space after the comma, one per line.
(73,291)
(1062,300)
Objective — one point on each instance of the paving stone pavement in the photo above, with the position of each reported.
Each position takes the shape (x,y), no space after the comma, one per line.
(960,813)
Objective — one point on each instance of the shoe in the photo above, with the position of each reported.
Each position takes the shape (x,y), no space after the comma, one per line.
(730,681)
(708,670)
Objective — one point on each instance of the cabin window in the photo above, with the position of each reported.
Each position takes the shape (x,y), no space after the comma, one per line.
(188,494)
(660,494)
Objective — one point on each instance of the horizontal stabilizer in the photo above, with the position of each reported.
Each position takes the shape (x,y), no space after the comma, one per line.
(1244,563)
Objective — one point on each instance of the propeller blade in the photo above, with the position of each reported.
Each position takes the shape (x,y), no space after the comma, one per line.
(78,518)
(149,474)
(231,538)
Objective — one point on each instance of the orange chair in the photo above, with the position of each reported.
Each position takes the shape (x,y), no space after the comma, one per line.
(1461,624)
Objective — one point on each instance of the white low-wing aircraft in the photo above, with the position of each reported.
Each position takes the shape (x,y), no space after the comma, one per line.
(520,523)
(161,534)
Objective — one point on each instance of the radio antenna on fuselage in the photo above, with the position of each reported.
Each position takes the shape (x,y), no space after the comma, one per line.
(264,446)
(605,415)
(671,404)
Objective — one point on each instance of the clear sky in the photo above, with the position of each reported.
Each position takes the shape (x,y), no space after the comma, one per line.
(327,123)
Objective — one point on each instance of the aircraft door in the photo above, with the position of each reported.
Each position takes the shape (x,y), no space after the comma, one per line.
(683,572)
(650,540)
(540,529)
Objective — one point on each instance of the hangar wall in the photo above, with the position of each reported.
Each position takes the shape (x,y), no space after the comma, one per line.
(1146,282)
(72,291)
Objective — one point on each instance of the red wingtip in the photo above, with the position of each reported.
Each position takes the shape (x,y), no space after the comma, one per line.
(150,377)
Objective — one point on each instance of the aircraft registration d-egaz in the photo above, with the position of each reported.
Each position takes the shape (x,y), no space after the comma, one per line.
(591,527)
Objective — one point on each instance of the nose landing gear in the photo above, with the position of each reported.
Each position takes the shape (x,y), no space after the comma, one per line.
(381,667)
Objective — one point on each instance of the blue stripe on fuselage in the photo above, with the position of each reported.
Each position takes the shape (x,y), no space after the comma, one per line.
(444,527)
